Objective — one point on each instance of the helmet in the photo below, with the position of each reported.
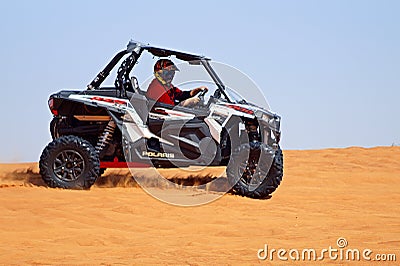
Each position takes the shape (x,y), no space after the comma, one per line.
(164,63)
(164,70)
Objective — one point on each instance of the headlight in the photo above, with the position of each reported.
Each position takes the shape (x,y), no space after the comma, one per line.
(274,123)
(259,114)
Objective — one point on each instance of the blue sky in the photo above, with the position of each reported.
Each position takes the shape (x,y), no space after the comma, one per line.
(329,68)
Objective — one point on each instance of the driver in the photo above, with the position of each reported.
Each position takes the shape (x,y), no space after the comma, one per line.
(162,90)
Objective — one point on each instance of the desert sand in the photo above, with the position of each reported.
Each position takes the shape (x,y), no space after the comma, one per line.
(353,193)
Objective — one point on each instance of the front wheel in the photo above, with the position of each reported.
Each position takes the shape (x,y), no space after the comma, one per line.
(69,162)
(255,170)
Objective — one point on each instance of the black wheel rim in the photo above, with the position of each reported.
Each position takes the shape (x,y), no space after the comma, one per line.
(68,165)
(248,172)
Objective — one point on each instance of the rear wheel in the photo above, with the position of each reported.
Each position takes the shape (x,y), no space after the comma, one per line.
(69,162)
(255,170)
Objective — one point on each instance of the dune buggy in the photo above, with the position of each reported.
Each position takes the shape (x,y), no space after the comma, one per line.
(118,126)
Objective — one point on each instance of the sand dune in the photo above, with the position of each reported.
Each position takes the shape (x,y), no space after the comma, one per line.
(326,194)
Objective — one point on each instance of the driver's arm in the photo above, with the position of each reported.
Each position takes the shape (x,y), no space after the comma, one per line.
(181,95)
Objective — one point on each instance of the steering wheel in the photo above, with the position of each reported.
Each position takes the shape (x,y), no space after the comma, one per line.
(201,97)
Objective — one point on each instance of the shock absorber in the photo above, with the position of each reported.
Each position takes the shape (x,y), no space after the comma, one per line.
(106,136)
(252,130)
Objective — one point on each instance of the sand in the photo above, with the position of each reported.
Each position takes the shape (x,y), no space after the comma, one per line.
(353,193)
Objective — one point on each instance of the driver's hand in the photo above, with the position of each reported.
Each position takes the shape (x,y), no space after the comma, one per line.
(203,88)
(190,102)
(197,90)
(195,100)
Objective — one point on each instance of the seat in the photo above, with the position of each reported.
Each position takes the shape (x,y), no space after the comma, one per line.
(135,86)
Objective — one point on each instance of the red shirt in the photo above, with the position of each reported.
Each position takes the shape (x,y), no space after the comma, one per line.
(166,94)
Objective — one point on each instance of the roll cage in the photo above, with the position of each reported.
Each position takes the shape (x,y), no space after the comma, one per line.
(134,49)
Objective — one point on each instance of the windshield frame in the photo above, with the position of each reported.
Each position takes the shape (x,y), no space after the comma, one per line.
(235,97)
(221,87)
